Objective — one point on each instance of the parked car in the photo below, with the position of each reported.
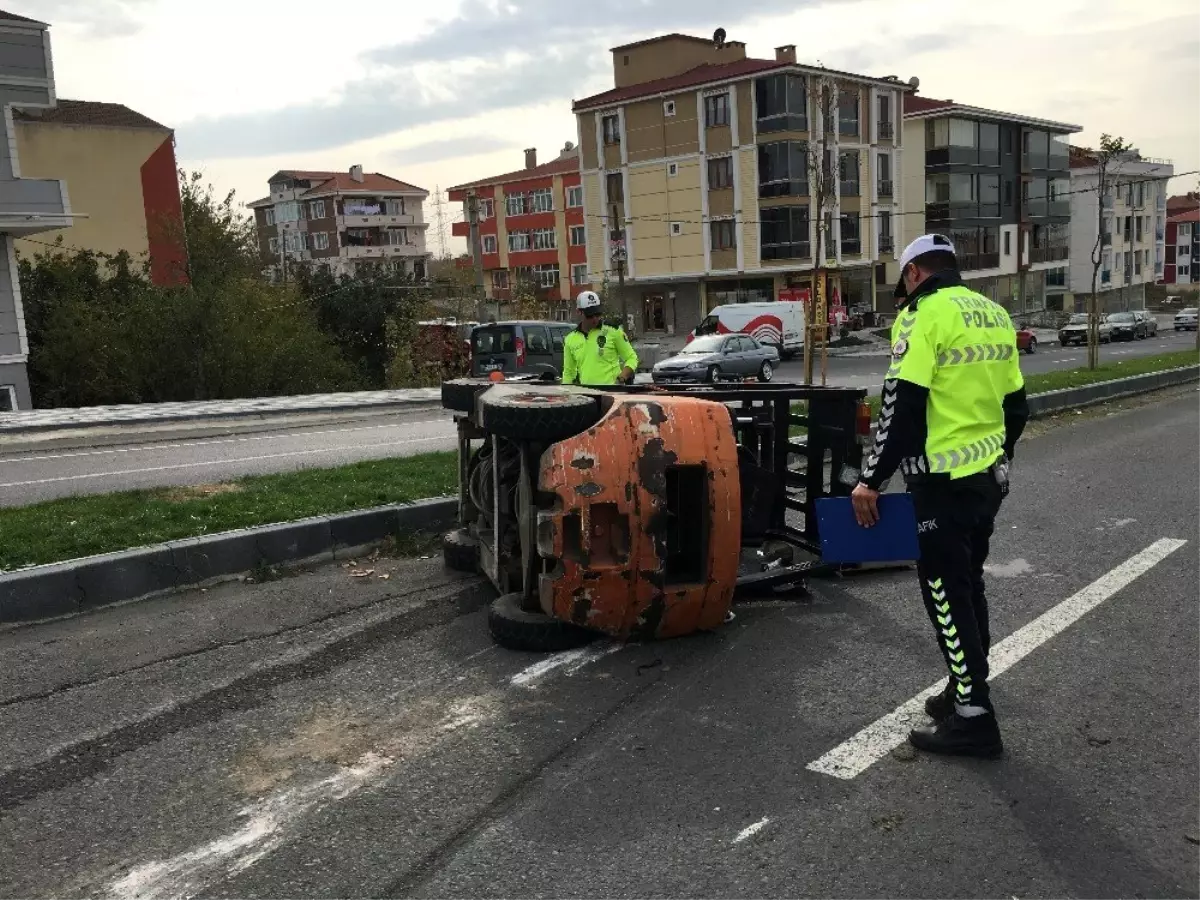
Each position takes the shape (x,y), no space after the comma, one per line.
(1149,323)
(710,357)
(1026,339)
(779,323)
(518,347)
(1186,319)
(1076,331)
(1125,326)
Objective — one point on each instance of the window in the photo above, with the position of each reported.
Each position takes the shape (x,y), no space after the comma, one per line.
(781,103)
(500,279)
(394,206)
(716,110)
(962,133)
(273,245)
(543,239)
(321,239)
(884,169)
(784,232)
(851,233)
(541,200)
(514,205)
(668,107)
(518,241)
(269,216)
(848,112)
(937,134)
(783,169)
(1008,193)
(989,143)
(989,195)
(885,117)
(487,209)
(722,234)
(1184,271)
(8,397)
(489,243)
(676,229)
(615,187)
(578,276)
(574,197)
(287,212)
(1008,243)
(294,241)
(672,169)
(578,235)
(612,129)
(316,209)
(1059,152)
(1138,230)
(396,237)
(545,276)
(848,172)
(886,244)
(720,173)
(1038,189)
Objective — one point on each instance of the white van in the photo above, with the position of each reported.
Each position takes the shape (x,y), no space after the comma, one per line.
(779,323)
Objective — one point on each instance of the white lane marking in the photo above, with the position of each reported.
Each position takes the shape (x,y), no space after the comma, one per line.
(136,448)
(855,756)
(221,462)
(751,830)
(572,660)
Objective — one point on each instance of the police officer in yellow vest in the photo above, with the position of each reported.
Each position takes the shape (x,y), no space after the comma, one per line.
(953,408)
(595,353)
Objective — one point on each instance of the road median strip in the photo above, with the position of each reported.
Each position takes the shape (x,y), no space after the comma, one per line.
(68,555)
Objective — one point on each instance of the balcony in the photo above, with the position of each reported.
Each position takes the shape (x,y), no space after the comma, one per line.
(849,188)
(1105,276)
(1106,239)
(979,261)
(381,251)
(381,220)
(886,131)
(851,247)
(1061,208)
(32,205)
(1048,254)
(1106,202)
(887,244)
(848,127)
(885,189)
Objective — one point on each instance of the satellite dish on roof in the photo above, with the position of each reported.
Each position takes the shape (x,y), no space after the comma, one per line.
(719,38)
(914,82)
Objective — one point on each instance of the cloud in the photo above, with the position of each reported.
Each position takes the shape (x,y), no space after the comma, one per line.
(98,18)
(482,25)
(447,149)
(381,105)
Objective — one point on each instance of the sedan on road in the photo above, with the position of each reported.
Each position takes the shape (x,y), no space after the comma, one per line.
(716,357)
(1076,331)
(1026,339)
(1149,323)
(1186,319)
(1126,326)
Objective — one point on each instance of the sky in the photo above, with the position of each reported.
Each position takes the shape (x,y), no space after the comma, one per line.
(438,94)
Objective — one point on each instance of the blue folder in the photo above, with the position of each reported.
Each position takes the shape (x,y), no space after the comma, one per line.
(892,539)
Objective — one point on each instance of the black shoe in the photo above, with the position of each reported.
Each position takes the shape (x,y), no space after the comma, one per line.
(939,706)
(960,736)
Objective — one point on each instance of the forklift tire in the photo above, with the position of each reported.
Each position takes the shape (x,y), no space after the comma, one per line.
(460,551)
(459,395)
(516,629)
(545,415)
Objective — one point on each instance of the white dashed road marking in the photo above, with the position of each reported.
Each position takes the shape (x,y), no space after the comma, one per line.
(751,830)
(859,753)
(571,660)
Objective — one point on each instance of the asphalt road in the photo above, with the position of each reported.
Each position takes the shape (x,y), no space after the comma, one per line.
(325,735)
(30,475)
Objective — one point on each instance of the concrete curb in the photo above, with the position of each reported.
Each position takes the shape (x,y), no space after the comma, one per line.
(76,586)
(1041,405)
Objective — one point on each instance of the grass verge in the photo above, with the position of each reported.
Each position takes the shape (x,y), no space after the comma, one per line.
(72,527)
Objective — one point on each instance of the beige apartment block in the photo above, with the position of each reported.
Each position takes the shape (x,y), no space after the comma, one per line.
(705,165)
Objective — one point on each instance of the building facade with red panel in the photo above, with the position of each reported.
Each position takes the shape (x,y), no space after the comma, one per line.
(1183,246)
(532,229)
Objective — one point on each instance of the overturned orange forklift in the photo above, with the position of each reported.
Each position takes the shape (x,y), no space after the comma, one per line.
(639,512)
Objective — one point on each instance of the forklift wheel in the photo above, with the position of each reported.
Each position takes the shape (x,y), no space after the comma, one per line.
(460,551)
(517,629)
(459,395)
(540,415)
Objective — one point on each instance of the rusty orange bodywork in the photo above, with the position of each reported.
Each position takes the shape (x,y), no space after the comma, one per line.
(624,488)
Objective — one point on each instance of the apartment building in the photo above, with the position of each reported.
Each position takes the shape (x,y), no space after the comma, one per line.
(703,170)
(348,221)
(532,229)
(997,184)
(1182,260)
(122,171)
(1130,222)
(28,206)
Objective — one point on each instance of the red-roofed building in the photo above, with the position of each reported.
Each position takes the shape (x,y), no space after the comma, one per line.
(1182,265)
(344,220)
(697,180)
(531,226)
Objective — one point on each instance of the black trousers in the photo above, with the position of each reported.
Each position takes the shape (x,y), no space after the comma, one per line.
(955,520)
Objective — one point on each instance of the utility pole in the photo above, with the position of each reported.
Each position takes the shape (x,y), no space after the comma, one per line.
(617,239)
(477,248)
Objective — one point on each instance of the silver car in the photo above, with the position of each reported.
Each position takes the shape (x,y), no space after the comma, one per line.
(718,357)
(1185,319)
